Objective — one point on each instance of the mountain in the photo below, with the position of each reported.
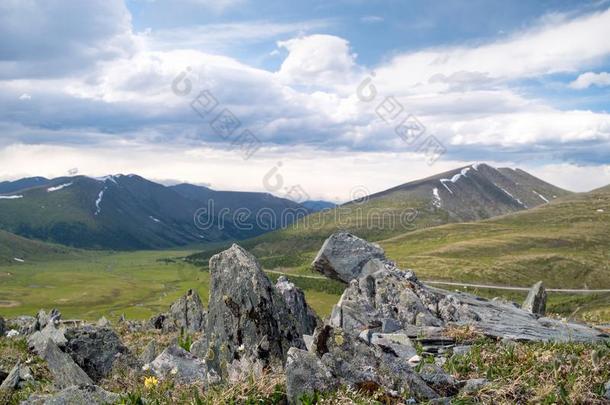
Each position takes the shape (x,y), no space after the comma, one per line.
(7,187)
(127,212)
(15,249)
(317,205)
(469,193)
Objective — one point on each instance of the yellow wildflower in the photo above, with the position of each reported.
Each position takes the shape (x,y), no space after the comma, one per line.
(151,382)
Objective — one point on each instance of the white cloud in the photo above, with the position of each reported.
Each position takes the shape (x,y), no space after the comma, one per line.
(371,19)
(25,96)
(589,79)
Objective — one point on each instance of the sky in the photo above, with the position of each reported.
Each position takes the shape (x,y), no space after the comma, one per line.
(333,98)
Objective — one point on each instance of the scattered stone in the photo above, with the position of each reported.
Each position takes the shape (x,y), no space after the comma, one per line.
(94,349)
(364,367)
(181,365)
(16,378)
(149,353)
(295,301)
(12,333)
(535,302)
(396,295)
(64,370)
(474,385)
(346,257)
(414,361)
(439,380)
(84,394)
(38,340)
(103,322)
(25,325)
(247,318)
(461,350)
(306,375)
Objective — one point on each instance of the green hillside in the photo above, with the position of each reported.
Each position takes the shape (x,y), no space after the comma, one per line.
(15,247)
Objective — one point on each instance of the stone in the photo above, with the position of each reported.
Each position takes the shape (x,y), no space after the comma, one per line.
(94,349)
(346,257)
(397,343)
(607,388)
(25,325)
(394,296)
(535,302)
(360,366)
(186,314)
(12,333)
(461,350)
(183,366)
(38,340)
(43,319)
(64,370)
(474,385)
(414,361)
(443,383)
(103,322)
(306,375)
(84,394)
(2,326)
(149,353)
(389,325)
(295,301)
(17,377)
(247,318)
(308,339)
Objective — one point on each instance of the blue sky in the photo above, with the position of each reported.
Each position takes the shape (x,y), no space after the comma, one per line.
(88,85)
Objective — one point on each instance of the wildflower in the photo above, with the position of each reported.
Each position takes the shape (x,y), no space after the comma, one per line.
(150,382)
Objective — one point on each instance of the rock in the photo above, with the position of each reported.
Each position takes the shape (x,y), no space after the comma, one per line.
(389,325)
(346,257)
(364,367)
(149,353)
(85,394)
(474,385)
(42,319)
(535,302)
(294,297)
(247,318)
(607,388)
(414,361)
(51,331)
(461,350)
(64,370)
(2,326)
(186,314)
(19,375)
(94,349)
(306,375)
(397,343)
(182,365)
(103,322)
(308,339)
(443,383)
(397,297)
(25,325)
(12,333)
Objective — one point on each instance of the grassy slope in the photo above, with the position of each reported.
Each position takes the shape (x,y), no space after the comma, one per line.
(13,246)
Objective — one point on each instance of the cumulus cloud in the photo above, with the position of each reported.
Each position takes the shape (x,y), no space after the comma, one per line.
(589,79)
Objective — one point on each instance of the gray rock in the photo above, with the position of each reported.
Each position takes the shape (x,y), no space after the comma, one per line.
(94,349)
(461,350)
(25,325)
(306,375)
(75,395)
(308,339)
(396,296)
(103,322)
(535,302)
(294,297)
(149,353)
(389,325)
(2,326)
(38,340)
(64,370)
(17,377)
(474,385)
(181,365)
(186,314)
(247,318)
(607,388)
(397,343)
(346,257)
(443,383)
(43,319)
(364,367)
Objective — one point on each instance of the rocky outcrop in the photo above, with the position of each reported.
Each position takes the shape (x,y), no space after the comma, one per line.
(2,326)
(149,353)
(64,370)
(306,375)
(94,349)
(397,298)
(19,375)
(43,319)
(186,314)
(51,331)
(535,302)
(346,257)
(84,394)
(247,319)
(294,298)
(182,366)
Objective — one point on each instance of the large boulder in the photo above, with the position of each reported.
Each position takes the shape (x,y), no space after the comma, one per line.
(64,370)
(346,257)
(17,377)
(75,395)
(95,349)
(182,366)
(294,297)
(306,375)
(535,302)
(357,364)
(186,314)
(247,319)
(395,297)
(51,331)
(43,319)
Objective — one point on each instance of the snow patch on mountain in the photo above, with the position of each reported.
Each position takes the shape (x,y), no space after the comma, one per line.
(511,196)
(436,200)
(98,207)
(57,188)
(443,181)
(154,219)
(10,197)
(541,196)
